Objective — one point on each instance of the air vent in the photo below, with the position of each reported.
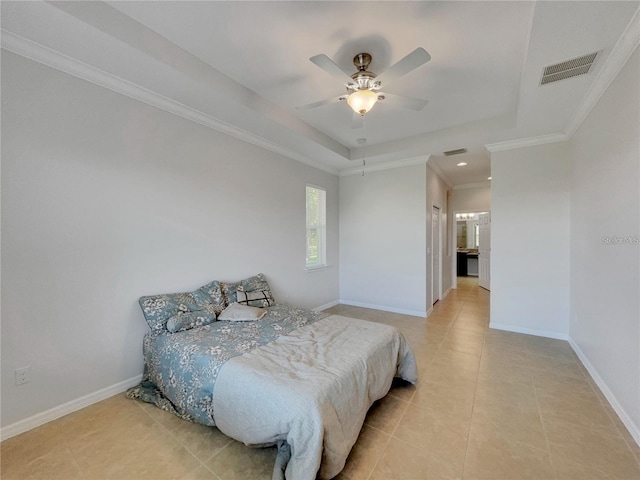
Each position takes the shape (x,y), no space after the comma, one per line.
(455,152)
(568,69)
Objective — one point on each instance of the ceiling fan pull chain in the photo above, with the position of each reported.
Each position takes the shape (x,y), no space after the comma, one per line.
(362,141)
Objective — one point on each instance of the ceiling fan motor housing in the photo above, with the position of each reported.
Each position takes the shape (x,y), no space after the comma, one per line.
(363,78)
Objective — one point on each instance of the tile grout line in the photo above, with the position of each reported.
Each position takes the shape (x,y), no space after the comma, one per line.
(544,429)
(473,404)
(184,446)
(373,469)
(409,402)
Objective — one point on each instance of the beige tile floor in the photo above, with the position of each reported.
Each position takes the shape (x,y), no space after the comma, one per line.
(489,405)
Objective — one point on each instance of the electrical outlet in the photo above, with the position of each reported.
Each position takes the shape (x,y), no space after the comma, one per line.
(23,375)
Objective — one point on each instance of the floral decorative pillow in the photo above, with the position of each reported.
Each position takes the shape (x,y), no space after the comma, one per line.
(158,309)
(257,282)
(210,297)
(229,292)
(185,321)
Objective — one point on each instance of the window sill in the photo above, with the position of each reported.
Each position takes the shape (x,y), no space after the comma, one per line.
(317,268)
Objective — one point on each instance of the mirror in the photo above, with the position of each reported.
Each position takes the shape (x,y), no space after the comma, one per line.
(467,231)
(468,234)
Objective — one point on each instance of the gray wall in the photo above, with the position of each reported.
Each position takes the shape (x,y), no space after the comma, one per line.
(530,240)
(605,275)
(382,239)
(105,199)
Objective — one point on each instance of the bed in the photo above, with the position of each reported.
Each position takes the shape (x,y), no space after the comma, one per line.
(294,378)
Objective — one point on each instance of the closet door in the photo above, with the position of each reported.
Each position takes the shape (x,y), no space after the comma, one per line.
(484,250)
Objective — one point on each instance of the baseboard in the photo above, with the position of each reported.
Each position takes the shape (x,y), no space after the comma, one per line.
(446,292)
(67,408)
(385,308)
(529,331)
(326,305)
(634,430)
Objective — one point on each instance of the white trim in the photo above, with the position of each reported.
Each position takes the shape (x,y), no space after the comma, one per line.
(429,311)
(527,142)
(385,166)
(447,292)
(59,61)
(402,311)
(439,172)
(529,331)
(633,428)
(618,57)
(67,408)
(316,268)
(326,305)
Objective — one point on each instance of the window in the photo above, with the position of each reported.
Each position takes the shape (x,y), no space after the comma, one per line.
(316,227)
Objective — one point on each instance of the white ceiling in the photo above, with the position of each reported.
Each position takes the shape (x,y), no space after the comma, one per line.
(243,67)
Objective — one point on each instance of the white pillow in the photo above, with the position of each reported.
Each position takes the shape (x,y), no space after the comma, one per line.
(241,313)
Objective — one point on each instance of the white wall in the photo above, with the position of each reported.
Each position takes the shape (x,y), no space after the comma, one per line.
(530,240)
(471,199)
(437,196)
(605,202)
(383,238)
(105,199)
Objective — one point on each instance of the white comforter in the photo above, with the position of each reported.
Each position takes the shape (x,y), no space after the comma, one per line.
(309,391)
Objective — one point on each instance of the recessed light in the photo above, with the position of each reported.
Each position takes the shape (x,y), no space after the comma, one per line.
(488,178)
(462,164)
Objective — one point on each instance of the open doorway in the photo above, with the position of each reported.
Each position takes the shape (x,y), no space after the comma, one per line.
(484,250)
(436,273)
(472,242)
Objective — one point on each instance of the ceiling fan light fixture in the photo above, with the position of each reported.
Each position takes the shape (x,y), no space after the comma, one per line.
(361,101)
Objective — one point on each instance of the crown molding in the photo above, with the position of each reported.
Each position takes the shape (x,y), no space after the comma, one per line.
(64,63)
(527,142)
(385,166)
(443,176)
(619,56)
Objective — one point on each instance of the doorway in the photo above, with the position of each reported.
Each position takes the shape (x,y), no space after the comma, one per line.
(472,245)
(484,250)
(435,252)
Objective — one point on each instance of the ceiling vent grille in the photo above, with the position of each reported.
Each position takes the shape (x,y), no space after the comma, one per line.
(568,69)
(455,152)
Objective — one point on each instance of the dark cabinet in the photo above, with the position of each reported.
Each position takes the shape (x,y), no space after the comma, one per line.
(462,264)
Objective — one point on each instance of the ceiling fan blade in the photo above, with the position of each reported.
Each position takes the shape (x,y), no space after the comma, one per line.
(404,102)
(357,121)
(322,102)
(331,68)
(412,61)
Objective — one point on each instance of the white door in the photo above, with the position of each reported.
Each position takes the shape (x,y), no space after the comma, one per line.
(435,244)
(484,250)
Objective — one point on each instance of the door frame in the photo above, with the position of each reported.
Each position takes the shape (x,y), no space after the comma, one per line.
(454,243)
(439,273)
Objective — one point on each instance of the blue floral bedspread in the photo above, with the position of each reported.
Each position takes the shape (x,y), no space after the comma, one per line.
(181,368)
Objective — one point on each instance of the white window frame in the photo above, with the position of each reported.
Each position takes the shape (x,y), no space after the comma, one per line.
(318,259)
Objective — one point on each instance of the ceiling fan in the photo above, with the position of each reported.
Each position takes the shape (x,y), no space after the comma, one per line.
(363,87)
